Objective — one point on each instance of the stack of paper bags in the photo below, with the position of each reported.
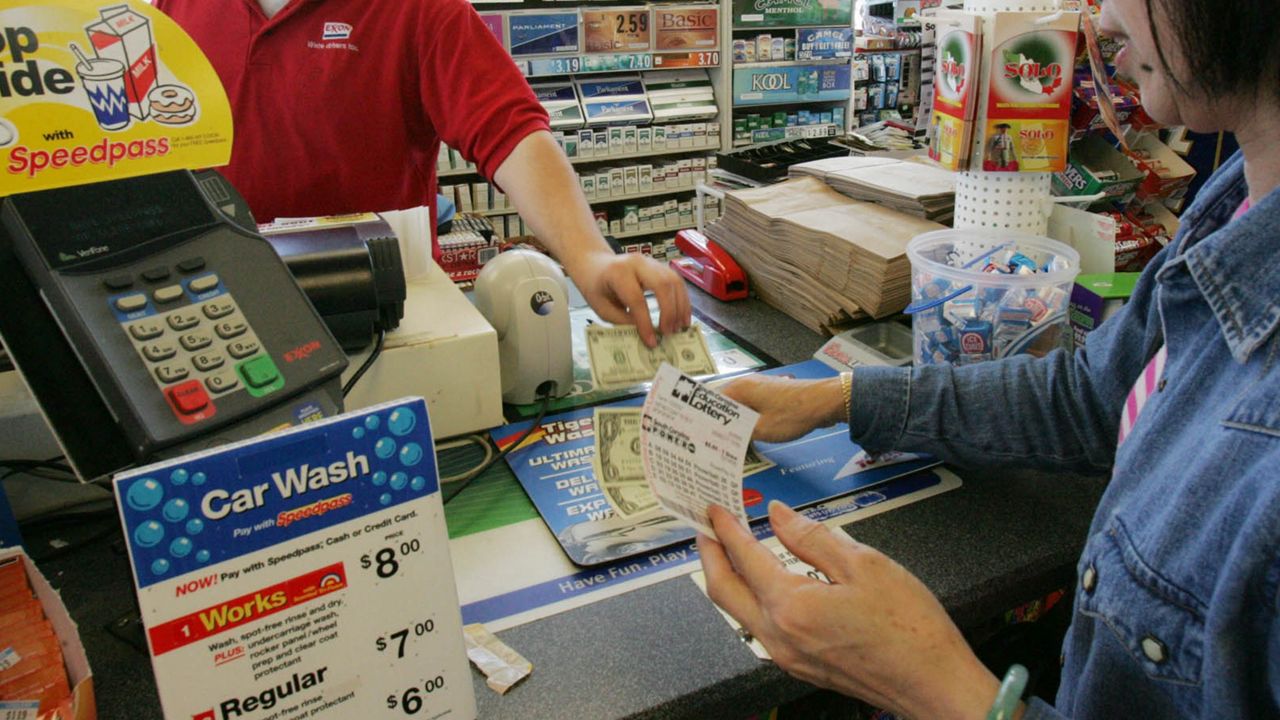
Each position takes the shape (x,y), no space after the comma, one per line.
(916,188)
(817,255)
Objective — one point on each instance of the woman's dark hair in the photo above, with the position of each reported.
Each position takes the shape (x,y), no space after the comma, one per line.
(1230,47)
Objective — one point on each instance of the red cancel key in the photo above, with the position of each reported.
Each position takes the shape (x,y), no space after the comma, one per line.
(189,398)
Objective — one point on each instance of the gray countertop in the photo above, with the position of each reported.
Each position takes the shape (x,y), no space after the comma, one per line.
(663,651)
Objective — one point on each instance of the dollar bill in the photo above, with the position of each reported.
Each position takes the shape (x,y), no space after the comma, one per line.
(755,462)
(617,445)
(617,464)
(619,359)
(629,499)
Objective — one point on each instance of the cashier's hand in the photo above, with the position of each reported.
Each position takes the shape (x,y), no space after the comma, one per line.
(788,408)
(615,287)
(875,632)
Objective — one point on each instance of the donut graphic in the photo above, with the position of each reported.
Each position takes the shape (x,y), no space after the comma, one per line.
(172,104)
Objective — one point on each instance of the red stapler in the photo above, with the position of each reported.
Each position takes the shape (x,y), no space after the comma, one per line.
(708,266)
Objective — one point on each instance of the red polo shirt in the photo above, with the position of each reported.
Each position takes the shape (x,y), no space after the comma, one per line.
(340,105)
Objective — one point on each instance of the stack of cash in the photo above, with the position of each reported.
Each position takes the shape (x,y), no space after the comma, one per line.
(915,188)
(817,255)
(620,360)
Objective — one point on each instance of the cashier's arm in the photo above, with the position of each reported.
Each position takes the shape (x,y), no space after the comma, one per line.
(538,178)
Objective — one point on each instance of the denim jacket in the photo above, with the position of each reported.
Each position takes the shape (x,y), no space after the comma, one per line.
(1176,603)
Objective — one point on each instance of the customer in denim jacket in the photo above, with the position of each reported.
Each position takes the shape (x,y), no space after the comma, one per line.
(1176,606)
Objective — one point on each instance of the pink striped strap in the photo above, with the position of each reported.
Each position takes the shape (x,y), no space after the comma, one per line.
(1142,390)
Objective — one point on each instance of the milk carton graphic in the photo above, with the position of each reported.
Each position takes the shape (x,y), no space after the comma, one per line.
(125,36)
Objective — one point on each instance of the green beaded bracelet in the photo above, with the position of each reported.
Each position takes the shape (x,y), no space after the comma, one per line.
(1009,695)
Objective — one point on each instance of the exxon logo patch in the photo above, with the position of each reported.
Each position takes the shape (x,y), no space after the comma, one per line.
(336,31)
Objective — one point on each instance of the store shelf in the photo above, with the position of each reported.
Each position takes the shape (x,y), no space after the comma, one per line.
(789,63)
(555,66)
(602,200)
(642,233)
(457,173)
(597,200)
(646,154)
(792,103)
(863,51)
(775,28)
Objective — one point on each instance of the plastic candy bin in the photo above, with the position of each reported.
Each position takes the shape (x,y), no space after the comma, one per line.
(983,294)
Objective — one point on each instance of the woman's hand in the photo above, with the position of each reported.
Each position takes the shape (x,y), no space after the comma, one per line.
(875,632)
(788,408)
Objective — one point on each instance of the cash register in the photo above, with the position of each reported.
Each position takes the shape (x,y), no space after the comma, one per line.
(149,322)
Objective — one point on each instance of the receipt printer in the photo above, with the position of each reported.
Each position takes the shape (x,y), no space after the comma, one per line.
(349,268)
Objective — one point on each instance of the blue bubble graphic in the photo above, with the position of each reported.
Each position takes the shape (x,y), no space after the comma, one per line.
(160,566)
(385,498)
(176,510)
(418,483)
(372,422)
(379,478)
(149,533)
(402,421)
(410,454)
(195,526)
(178,477)
(399,480)
(145,494)
(202,556)
(198,478)
(181,547)
(357,432)
(384,448)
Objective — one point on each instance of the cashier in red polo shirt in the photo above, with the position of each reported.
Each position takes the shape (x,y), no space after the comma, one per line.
(340,106)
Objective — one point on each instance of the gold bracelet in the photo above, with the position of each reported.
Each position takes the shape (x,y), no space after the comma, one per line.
(846,386)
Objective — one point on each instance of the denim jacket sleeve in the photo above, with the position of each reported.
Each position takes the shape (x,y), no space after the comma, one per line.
(1038,709)
(1062,410)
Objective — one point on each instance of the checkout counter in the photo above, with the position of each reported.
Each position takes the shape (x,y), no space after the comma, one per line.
(663,651)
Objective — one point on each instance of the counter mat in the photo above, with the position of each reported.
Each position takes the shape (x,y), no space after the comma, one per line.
(554,466)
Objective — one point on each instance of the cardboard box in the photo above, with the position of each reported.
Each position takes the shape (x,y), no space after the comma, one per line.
(1094,166)
(604,188)
(1096,298)
(586,144)
(75,664)
(1167,175)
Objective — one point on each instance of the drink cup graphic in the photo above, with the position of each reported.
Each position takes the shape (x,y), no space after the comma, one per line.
(103,81)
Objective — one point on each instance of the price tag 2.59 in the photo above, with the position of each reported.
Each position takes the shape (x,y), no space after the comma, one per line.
(616,31)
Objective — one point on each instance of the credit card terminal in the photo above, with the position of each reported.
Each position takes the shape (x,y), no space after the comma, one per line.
(185,322)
